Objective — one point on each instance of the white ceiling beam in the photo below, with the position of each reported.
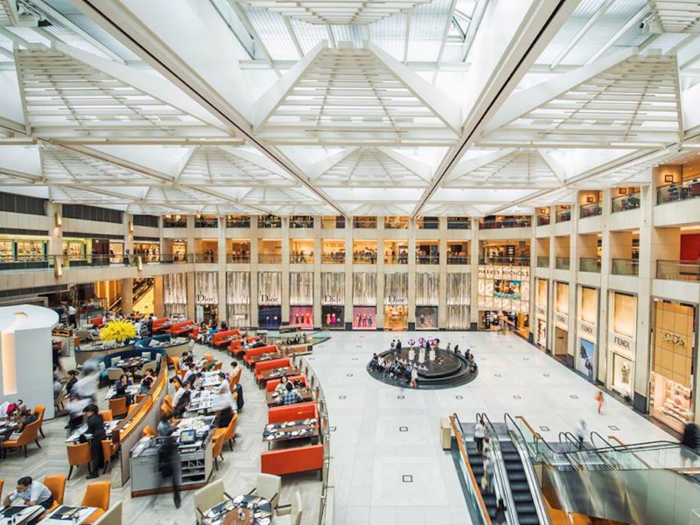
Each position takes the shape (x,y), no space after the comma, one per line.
(689,54)
(407,37)
(258,160)
(524,29)
(447,110)
(632,22)
(293,36)
(411,164)
(557,169)
(318,168)
(474,25)
(526,100)
(589,23)
(465,167)
(265,105)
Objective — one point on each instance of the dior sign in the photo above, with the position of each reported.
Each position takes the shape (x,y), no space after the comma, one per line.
(267,299)
(328,299)
(393,300)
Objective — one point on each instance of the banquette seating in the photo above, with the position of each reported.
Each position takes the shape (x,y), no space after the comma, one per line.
(220,338)
(294,412)
(182,328)
(272,383)
(270,349)
(270,365)
(110,361)
(158,325)
(292,460)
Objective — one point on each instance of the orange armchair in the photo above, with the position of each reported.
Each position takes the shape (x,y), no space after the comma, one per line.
(149,432)
(97,495)
(40,410)
(57,485)
(292,460)
(29,434)
(109,450)
(217,450)
(118,406)
(78,455)
(230,436)
(292,412)
(106,415)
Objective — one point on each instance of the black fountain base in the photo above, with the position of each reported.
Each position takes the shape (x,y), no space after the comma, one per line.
(447,370)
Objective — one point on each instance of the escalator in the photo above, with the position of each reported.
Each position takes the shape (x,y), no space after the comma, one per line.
(519,486)
(140,288)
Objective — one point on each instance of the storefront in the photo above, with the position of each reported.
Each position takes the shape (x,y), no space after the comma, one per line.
(238,299)
(561,321)
(175,294)
(622,328)
(458,300)
(148,250)
(427,300)
(506,291)
(76,250)
(541,311)
(206,289)
(269,300)
(333,300)
(396,301)
(364,299)
(179,250)
(301,299)
(673,363)
(29,252)
(586,359)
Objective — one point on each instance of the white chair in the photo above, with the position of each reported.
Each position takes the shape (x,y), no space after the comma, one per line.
(114,374)
(290,514)
(208,496)
(268,486)
(112,517)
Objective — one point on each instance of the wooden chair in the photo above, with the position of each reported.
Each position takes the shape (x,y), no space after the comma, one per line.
(131,410)
(29,434)
(78,455)
(118,406)
(96,495)
(175,361)
(230,436)
(40,410)
(217,450)
(109,450)
(165,410)
(56,483)
(168,401)
(107,415)
(149,432)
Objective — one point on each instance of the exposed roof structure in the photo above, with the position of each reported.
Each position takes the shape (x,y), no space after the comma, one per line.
(378,107)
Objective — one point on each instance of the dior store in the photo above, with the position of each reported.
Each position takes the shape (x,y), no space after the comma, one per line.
(333,300)
(396,301)
(206,289)
(427,300)
(238,298)
(364,300)
(269,300)
(301,299)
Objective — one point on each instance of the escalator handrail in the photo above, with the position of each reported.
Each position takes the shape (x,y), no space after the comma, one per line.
(540,441)
(457,429)
(500,475)
(595,434)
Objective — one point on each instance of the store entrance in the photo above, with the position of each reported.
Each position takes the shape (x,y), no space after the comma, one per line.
(396,318)
(561,344)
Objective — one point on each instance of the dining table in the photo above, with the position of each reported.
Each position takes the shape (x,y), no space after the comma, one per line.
(276,373)
(261,358)
(305,394)
(239,510)
(68,514)
(290,430)
(132,390)
(19,514)
(109,427)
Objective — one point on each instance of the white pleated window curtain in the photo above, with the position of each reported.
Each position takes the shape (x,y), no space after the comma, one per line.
(270,288)
(301,288)
(364,289)
(175,289)
(395,289)
(239,315)
(458,289)
(457,317)
(427,289)
(206,287)
(332,288)
(238,288)
(172,310)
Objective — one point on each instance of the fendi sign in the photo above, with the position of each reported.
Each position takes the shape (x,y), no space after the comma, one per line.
(562,320)
(541,311)
(586,328)
(622,342)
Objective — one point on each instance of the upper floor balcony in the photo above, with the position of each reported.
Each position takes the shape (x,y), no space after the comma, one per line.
(678,191)
(631,201)
(505,261)
(688,271)
(625,267)
(589,264)
(591,209)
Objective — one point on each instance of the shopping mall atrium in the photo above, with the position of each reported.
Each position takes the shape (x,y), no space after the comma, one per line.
(348,262)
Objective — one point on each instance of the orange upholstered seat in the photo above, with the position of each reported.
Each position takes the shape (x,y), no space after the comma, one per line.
(78,455)
(56,483)
(29,434)
(292,460)
(292,412)
(270,365)
(270,349)
(272,383)
(97,495)
(118,406)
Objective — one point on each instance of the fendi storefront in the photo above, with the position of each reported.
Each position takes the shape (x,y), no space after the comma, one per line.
(586,357)
(561,321)
(622,327)
(541,303)
(672,363)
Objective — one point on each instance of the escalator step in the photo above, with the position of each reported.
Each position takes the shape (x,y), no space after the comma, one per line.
(517,476)
(520,496)
(528,519)
(525,508)
(520,486)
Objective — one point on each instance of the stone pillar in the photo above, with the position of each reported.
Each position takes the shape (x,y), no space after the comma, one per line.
(442,273)
(379,268)
(318,257)
(158,306)
(127,296)
(475,252)
(221,266)
(285,268)
(254,251)
(603,294)
(349,300)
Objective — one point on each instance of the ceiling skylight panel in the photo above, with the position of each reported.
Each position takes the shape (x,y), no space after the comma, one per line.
(428,24)
(390,35)
(28,34)
(308,35)
(351,33)
(272,32)
(70,38)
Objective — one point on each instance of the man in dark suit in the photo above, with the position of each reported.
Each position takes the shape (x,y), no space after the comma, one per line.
(97,432)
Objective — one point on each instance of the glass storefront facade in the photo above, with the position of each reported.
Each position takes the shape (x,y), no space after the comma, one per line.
(622,328)
(396,301)
(238,299)
(541,305)
(269,300)
(206,289)
(175,294)
(561,321)
(586,358)
(427,300)
(364,298)
(333,300)
(672,363)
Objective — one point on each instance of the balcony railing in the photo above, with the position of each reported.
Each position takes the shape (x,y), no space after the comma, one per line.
(238,258)
(427,259)
(457,259)
(238,223)
(333,258)
(563,215)
(364,224)
(89,261)
(626,202)
(204,222)
(174,223)
(523,222)
(269,222)
(543,220)
(364,258)
(505,261)
(678,191)
(590,210)
(625,267)
(270,258)
(296,223)
(208,258)
(396,259)
(301,258)
(563,263)
(428,223)
(459,223)
(398,224)
(543,261)
(589,264)
(688,271)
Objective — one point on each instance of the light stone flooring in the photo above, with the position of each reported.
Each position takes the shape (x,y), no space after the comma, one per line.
(238,470)
(389,467)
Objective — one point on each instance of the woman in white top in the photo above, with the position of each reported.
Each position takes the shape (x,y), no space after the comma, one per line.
(479,433)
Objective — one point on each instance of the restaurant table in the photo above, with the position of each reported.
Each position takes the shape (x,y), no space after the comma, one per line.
(23,514)
(109,426)
(200,401)
(289,430)
(260,358)
(276,373)
(237,511)
(64,515)
(210,380)
(305,393)
(132,390)
(7,427)
(133,363)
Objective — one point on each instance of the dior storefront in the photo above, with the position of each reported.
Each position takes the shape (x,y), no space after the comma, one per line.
(238,299)
(269,300)
(333,300)
(458,299)
(364,300)
(175,294)
(396,301)
(427,300)
(206,289)
(301,299)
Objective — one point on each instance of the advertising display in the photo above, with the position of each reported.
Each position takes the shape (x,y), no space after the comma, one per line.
(427,300)
(561,321)
(396,301)
(672,361)
(541,309)
(364,289)
(269,288)
(364,318)
(585,359)
(426,317)
(238,299)
(504,288)
(269,317)
(587,327)
(622,326)
(458,299)
(333,300)
(301,289)
(302,316)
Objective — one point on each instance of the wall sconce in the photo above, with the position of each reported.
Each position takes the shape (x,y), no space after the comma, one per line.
(131,226)
(58,219)
(57,267)
(668,178)
(139,264)
(589,200)
(622,191)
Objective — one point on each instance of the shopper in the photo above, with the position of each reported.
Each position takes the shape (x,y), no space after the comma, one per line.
(479,433)
(97,432)
(581,433)
(689,442)
(601,401)
(500,518)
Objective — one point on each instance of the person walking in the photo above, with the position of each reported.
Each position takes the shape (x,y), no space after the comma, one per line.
(169,458)
(690,443)
(580,433)
(500,518)
(479,433)
(601,401)
(97,432)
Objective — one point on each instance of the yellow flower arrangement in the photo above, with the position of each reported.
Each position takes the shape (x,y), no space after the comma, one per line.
(118,331)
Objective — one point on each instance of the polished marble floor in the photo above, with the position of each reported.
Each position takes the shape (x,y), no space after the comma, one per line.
(389,467)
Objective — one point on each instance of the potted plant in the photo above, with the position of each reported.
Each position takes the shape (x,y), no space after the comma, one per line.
(118,331)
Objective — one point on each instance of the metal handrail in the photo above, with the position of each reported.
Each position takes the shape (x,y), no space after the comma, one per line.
(595,435)
(540,442)
(499,470)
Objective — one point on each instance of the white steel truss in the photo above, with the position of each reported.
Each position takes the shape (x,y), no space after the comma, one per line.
(70,100)
(675,16)
(63,166)
(8,13)
(633,103)
(336,12)
(348,96)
